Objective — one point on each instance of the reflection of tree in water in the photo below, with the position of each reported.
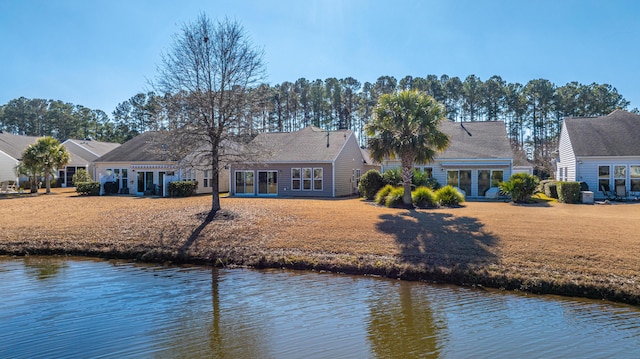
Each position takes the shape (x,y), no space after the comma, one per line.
(402,325)
(43,267)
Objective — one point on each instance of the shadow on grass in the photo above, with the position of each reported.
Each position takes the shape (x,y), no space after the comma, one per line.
(440,239)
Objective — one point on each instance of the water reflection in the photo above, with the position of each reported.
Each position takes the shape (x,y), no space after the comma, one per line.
(55,307)
(402,322)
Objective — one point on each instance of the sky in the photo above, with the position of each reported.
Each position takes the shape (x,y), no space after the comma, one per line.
(99,53)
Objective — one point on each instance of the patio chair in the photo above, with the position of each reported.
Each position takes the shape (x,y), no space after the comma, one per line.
(608,193)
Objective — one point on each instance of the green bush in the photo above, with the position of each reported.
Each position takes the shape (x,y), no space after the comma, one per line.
(423,197)
(381,196)
(569,192)
(370,183)
(521,186)
(394,198)
(81,176)
(182,188)
(549,188)
(392,177)
(88,188)
(422,179)
(448,196)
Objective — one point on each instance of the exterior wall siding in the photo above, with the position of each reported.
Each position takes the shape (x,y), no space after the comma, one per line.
(566,164)
(440,172)
(349,159)
(7,165)
(587,171)
(284,178)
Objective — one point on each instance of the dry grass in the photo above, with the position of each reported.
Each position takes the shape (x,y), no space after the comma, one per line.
(577,250)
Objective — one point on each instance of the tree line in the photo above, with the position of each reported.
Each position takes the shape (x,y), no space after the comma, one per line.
(533,112)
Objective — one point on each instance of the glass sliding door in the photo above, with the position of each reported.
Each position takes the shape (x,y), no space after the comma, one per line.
(244,182)
(267,182)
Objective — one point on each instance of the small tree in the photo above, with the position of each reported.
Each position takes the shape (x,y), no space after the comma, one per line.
(48,154)
(33,171)
(521,186)
(370,183)
(81,176)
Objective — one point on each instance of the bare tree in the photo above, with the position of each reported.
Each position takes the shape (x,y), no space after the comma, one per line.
(207,79)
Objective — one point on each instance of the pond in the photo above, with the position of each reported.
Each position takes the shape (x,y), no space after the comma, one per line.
(84,308)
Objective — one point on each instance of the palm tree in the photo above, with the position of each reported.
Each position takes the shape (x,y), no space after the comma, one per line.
(48,154)
(405,126)
(33,171)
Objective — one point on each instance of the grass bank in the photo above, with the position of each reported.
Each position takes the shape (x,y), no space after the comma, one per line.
(552,248)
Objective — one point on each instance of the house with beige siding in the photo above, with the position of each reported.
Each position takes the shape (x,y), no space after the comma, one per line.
(478,158)
(311,162)
(143,166)
(603,152)
(82,153)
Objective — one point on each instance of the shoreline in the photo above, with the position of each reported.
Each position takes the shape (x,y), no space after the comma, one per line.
(495,245)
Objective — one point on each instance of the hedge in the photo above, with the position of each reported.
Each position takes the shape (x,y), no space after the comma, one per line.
(182,188)
(88,188)
(569,192)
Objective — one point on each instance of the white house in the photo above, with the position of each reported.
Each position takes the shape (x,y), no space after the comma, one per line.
(11,149)
(479,157)
(603,152)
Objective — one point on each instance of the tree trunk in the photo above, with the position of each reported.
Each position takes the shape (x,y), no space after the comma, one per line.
(47,179)
(407,173)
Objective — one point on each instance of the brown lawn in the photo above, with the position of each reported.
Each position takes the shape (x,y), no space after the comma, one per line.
(583,250)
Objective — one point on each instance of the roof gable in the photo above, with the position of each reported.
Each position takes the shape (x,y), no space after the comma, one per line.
(14,145)
(141,148)
(475,140)
(615,134)
(310,144)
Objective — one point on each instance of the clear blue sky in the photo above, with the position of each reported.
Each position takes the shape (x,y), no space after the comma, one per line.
(98,53)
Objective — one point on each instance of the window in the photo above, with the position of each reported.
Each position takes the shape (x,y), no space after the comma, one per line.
(296,179)
(460,179)
(620,177)
(427,170)
(189,175)
(206,181)
(488,179)
(306,179)
(634,174)
(496,178)
(603,178)
(244,182)
(317,179)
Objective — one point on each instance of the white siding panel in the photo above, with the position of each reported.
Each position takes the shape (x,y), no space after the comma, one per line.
(7,165)
(567,157)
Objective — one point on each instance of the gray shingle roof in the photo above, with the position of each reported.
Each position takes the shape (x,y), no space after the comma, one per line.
(14,145)
(141,148)
(487,140)
(616,134)
(307,145)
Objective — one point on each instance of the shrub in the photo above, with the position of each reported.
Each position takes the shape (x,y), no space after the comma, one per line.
(182,188)
(569,192)
(392,177)
(370,183)
(423,197)
(88,188)
(81,176)
(422,179)
(551,189)
(448,196)
(381,196)
(394,198)
(521,186)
